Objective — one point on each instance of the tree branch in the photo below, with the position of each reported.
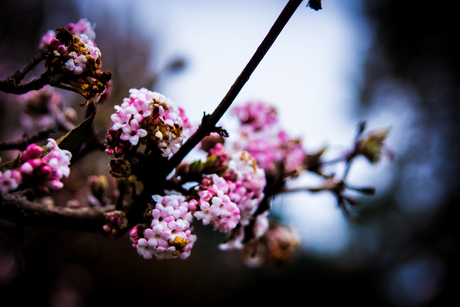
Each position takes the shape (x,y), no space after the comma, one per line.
(12,84)
(18,209)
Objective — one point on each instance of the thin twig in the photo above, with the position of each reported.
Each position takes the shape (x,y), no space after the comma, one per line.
(26,140)
(18,209)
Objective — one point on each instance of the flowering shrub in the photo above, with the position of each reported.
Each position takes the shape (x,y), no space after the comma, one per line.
(158,194)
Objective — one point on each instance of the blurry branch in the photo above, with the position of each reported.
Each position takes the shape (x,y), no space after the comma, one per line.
(370,146)
(60,116)
(12,84)
(26,140)
(19,209)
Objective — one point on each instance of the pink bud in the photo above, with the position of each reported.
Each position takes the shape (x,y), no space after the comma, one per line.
(46,170)
(32,151)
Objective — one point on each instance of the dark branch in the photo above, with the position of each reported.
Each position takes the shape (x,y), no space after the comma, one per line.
(19,209)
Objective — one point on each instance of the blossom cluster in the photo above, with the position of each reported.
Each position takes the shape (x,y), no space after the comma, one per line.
(262,137)
(83,26)
(150,116)
(74,60)
(216,207)
(230,201)
(228,187)
(43,172)
(170,234)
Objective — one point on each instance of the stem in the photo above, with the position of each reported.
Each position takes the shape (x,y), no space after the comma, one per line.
(18,209)
(26,140)
(40,55)
(209,123)
(11,84)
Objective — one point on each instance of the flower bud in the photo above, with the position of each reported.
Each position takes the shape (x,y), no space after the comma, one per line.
(115,221)
(277,246)
(120,167)
(371,146)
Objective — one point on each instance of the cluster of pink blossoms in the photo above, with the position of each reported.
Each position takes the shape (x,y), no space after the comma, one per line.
(216,207)
(83,26)
(233,198)
(74,60)
(44,172)
(261,136)
(77,55)
(149,115)
(227,201)
(169,235)
(256,114)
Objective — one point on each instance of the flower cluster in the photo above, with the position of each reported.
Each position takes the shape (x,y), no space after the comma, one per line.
(256,115)
(169,235)
(9,180)
(114,221)
(248,184)
(83,26)
(150,116)
(271,146)
(75,61)
(216,207)
(230,201)
(43,172)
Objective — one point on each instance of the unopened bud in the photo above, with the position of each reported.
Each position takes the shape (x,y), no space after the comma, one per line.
(120,167)
(371,145)
(115,221)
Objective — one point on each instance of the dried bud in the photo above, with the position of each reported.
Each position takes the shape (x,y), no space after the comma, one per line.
(313,162)
(98,187)
(277,246)
(115,221)
(120,167)
(371,146)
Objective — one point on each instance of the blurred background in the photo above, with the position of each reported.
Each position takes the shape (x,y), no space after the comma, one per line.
(391,63)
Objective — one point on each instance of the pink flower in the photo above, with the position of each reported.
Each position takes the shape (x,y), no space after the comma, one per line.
(150,113)
(120,118)
(9,180)
(47,38)
(257,115)
(58,159)
(46,171)
(32,151)
(83,26)
(169,235)
(261,136)
(215,206)
(132,132)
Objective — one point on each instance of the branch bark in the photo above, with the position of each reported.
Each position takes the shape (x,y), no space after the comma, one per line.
(19,209)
